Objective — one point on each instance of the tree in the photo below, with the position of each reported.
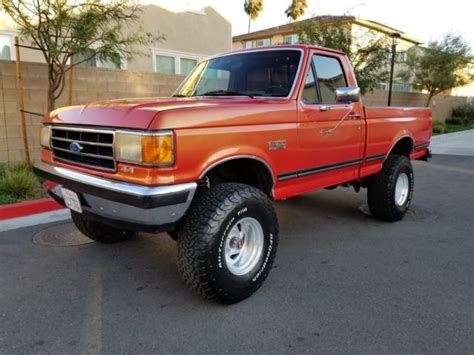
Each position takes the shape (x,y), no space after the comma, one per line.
(296,9)
(367,50)
(252,9)
(62,29)
(441,66)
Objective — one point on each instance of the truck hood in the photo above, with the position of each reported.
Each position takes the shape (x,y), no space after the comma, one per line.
(126,113)
(172,113)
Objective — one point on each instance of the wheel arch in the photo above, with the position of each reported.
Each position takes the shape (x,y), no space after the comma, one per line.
(403,145)
(265,181)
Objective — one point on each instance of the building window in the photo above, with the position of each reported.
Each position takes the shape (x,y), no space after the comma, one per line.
(248,44)
(187,65)
(87,59)
(263,42)
(174,63)
(400,87)
(165,64)
(383,86)
(402,56)
(290,39)
(6,46)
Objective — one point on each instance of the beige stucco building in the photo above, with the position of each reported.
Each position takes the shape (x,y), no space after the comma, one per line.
(177,54)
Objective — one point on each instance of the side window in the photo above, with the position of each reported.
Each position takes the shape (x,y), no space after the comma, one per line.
(330,77)
(309,91)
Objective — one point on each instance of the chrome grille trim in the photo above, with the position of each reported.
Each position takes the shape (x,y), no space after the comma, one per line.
(97,147)
(87,154)
(90,143)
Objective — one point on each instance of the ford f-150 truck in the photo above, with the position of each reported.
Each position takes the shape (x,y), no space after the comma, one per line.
(243,129)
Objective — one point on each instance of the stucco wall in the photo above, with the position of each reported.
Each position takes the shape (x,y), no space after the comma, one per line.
(91,84)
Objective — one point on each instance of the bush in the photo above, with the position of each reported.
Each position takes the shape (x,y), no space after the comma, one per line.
(465,113)
(17,182)
(439,127)
(455,120)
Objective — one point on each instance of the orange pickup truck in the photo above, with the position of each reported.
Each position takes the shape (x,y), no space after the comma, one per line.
(243,129)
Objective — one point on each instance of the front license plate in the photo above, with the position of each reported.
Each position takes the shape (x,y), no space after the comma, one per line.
(71,199)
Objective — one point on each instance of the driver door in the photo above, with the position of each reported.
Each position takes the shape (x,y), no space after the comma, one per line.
(330,134)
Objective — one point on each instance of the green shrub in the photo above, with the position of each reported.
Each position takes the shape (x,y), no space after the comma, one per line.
(6,199)
(439,127)
(17,182)
(21,185)
(18,167)
(455,121)
(465,113)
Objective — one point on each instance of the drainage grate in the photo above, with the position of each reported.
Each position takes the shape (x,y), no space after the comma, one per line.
(61,235)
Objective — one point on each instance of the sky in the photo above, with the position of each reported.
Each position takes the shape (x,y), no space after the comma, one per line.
(421,19)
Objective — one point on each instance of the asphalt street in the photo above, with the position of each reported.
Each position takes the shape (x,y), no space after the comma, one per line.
(342,283)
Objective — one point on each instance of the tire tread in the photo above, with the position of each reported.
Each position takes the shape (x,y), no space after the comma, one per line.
(199,229)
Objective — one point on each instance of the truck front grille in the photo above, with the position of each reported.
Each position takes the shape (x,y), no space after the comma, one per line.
(83,146)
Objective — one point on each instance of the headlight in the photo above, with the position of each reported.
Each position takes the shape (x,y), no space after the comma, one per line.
(45,139)
(147,148)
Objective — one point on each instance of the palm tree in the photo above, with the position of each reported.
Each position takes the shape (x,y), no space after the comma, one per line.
(296,9)
(253,9)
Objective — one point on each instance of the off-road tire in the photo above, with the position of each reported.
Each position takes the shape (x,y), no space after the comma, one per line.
(100,232)
(173,234)
(381,189)
(214,212)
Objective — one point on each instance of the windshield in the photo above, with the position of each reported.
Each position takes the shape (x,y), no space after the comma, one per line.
(266,73)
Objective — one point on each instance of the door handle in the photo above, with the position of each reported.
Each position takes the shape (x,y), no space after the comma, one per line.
(324,108)
(354,116)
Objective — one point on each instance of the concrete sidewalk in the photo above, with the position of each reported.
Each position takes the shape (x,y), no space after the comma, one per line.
(459,143)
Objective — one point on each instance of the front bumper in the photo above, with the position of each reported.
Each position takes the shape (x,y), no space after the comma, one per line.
(137,205)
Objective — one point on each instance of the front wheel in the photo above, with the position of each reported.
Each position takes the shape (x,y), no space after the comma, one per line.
(227,243)
(390,192)
(100,232)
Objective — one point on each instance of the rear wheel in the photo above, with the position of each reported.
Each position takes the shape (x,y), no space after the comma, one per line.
(100,232)
(390,192)
(227,242)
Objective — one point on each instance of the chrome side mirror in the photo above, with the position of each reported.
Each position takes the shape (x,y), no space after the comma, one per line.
(347,94)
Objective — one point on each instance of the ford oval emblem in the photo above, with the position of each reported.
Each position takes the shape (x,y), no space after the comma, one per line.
(75,147)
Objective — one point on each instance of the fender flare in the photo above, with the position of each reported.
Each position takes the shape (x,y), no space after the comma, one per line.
(236,157)
(398,139)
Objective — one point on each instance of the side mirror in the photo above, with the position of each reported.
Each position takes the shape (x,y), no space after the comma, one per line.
(347,94)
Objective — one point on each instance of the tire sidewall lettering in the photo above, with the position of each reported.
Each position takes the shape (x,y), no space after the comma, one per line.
(249,210)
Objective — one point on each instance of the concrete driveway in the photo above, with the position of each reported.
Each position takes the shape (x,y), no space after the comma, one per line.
(459,143)
(342,283)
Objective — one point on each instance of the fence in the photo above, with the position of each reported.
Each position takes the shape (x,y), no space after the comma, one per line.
(93,84)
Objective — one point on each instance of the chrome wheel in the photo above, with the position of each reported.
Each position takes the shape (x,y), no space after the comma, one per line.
(402,188)
(243,246)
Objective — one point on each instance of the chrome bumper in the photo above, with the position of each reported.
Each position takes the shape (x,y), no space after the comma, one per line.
(131,203)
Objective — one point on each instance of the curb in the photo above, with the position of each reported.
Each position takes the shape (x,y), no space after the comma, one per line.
(27,208)
(35,219)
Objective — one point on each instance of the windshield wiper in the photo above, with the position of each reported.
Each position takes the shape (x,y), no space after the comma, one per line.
(226,93)
(179,95)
